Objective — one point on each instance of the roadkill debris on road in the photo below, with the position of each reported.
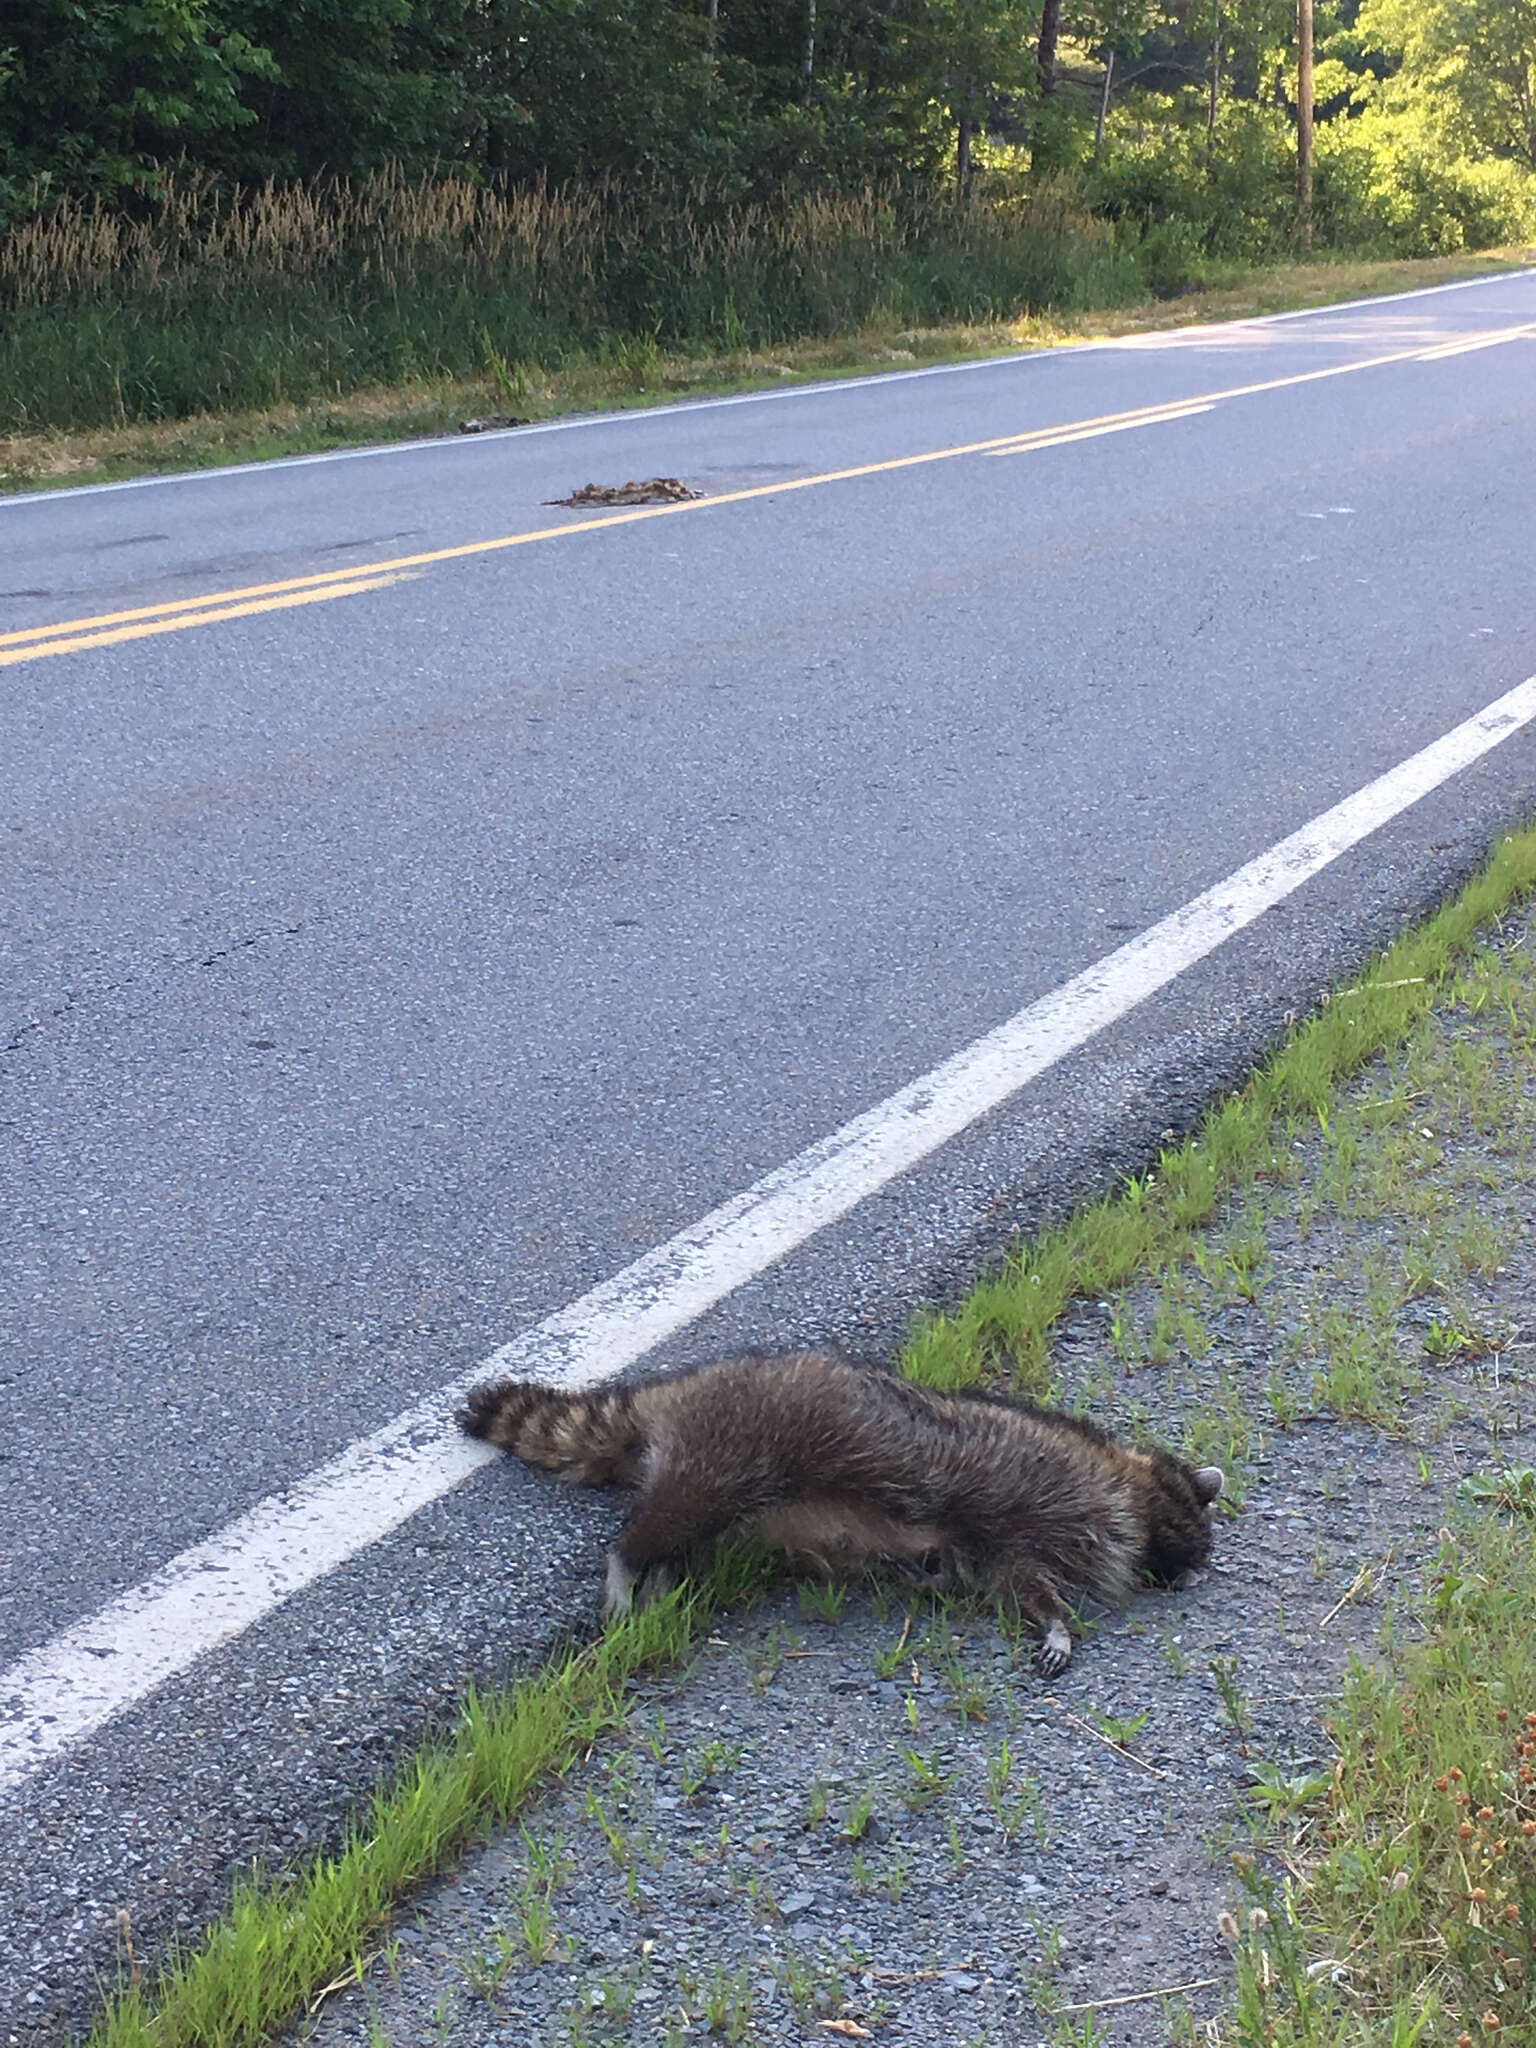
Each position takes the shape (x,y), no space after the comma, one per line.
(650,490)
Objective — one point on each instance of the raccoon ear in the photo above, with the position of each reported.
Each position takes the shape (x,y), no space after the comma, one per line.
(1209,1481)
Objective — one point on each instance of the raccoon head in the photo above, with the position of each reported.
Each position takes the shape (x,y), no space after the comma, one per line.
(1177,1510)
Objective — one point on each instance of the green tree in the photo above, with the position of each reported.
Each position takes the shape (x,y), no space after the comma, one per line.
(353,84)
(1468,65)
(94,93)
(980,51)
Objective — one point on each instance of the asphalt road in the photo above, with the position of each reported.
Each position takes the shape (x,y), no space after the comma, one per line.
(389,958)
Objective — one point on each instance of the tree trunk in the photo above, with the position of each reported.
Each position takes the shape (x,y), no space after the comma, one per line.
(1304,123)
(963,155)
(1109,79)
(808,56)
(1050,32)
(1210,112)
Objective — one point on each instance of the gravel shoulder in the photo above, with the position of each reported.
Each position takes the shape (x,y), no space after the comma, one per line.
(862,1813)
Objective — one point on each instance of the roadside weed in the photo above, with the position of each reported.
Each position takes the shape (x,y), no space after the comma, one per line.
(536,1924)
(1174,1653)
(823,1600)
(1284,1406)
(1234,1701)
(714,1759)
(1080,2030)
(726,1999)
(860,1813)
(777,1644)
(549,1862)
(969,1695)
(1120,1729)
(620,1846)
(929,1780)
(888,1661)
(1509,1491)
(1283,1793)
(486,1970)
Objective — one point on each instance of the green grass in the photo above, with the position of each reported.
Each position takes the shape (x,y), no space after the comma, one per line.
(208,300)
(1417,1854)
(282,1937)
(427,398)
(1002,1329)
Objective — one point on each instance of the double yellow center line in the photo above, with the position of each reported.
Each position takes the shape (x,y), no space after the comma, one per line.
(108,629)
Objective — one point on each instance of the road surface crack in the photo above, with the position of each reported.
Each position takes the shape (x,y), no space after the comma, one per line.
(26,1032)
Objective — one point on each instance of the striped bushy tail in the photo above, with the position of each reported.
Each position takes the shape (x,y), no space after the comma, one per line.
(595,1438)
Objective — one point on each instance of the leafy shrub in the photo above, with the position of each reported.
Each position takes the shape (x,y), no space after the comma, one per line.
(1383,182)
(1389,181)
(1181,195)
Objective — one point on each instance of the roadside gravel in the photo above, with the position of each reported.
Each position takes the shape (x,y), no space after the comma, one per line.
(866,1814)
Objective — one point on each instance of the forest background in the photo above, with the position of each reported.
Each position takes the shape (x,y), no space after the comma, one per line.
(216,203)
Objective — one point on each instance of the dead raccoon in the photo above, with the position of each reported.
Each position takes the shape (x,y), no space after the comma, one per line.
(841,1464)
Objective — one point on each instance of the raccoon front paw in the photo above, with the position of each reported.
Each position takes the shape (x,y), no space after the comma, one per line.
(619,1590)
(627,1589)
(1055,1650)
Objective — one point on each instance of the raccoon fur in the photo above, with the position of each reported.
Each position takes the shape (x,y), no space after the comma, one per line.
(843,1464)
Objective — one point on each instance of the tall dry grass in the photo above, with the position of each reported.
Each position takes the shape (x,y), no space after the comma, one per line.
(207,299)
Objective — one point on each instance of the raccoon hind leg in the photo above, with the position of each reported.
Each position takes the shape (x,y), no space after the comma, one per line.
(677,1517)
(1019,1584)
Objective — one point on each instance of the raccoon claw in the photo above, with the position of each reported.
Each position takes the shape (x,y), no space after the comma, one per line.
(1055,1650)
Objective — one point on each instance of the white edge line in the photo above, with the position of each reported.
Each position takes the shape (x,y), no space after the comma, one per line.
(1059,352)
(59,1694)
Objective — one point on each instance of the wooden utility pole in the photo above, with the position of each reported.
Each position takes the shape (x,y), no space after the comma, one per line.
(1304,123)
